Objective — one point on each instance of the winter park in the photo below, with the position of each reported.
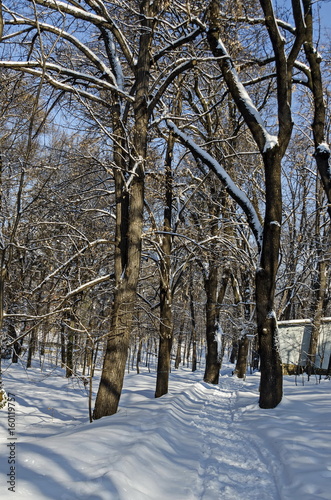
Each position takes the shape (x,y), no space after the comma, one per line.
(165,236)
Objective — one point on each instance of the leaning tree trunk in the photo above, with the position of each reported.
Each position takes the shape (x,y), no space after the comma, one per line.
(322,157)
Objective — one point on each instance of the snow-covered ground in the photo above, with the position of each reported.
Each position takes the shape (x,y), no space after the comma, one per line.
(199,442)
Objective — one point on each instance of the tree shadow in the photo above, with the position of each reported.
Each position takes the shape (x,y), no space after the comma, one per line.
(54,476)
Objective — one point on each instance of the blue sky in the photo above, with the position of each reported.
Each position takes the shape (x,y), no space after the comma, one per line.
(325,12)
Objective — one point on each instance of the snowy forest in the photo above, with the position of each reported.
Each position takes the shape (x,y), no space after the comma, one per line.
(165,193)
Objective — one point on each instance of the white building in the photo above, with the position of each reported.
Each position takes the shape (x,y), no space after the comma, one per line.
(294,339)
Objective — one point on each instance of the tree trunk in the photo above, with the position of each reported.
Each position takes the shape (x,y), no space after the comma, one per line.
(140,346)
(241,365)
(212,368)
(63,346)
(70,352)
(320,279)
(322,150)
(271,387)
(165,345)
(243,344)
(178,359)
(31,348)
(166,320)
(17,347)
(193,331)
(163,366)
(125,295)
(320,291)
(213,300)
(272,150)
(127,264)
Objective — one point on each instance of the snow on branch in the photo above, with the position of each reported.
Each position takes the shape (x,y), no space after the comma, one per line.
(82,47)
(38,68)
(104,20)
(323,149)
(87,285)
(247,104)
(236,193)
(244,103)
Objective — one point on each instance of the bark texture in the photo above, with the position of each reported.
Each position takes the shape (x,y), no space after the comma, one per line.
(130,208)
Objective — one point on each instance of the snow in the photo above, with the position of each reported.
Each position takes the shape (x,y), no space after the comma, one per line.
(271,314)
(219,338)
(270,140)
(323,148)
(199,442)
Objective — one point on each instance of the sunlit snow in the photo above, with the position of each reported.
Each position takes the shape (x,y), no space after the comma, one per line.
(199,442)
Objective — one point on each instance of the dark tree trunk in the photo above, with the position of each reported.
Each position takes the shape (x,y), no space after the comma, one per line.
(31,348)
(140,346)
(241,365)
(178,359)
(234,351)
(271,387)
(214,297)
(315,83)
(165,344)
(113,370)
(272,150)
(212,368)
(166,320)
(320,292)
(243,344)
(163,366)
(193,331)
(70,352)
(127,259)
(17,347)
(63,346)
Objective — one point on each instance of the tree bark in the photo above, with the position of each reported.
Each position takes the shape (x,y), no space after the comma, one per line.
(272,150)
(166,320)
(113,370)
(243,344)
(165,344)
(315,83)
(215,293)
(213,364)
(320,281)
(271,387)
(193,329)
(178,359)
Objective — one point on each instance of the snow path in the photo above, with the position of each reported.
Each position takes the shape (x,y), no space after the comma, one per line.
(233,465)
(199,442)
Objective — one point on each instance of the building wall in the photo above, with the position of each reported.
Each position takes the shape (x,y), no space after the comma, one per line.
(294,339)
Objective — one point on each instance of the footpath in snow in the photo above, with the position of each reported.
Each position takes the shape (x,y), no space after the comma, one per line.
(199,442)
